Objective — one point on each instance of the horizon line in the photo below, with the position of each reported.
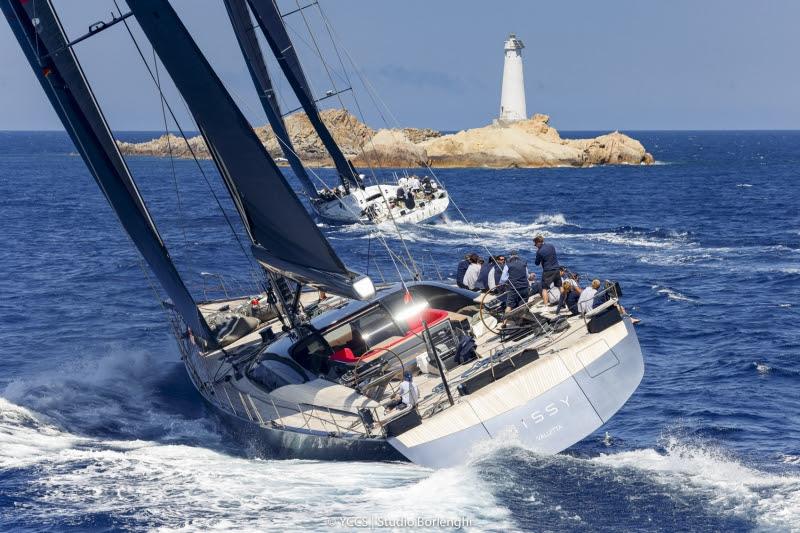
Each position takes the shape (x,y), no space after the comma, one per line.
(645,130)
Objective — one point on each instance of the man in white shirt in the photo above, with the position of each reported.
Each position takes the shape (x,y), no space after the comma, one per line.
(473,271)
(498,274)
(553,294)
(408,394)
(586,301)
(413,184)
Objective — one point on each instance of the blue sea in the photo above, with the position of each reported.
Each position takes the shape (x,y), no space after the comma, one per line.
(100,429)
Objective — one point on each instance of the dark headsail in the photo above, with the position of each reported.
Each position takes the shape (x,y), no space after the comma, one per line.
(271,23)
(286,239)
(39,32)
(243,28)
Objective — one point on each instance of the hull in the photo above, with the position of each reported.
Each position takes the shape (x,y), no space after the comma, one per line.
(546,406)
(369,206)
(285,444)
(548,423)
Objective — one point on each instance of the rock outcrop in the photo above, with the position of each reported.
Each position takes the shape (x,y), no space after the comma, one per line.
(531,143)
(524,144)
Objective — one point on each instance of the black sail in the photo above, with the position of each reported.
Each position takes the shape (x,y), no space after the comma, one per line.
(39,32)
(271,23)
(243,28)
(285,237)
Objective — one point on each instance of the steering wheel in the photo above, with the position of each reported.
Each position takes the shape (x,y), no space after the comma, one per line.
(480,312)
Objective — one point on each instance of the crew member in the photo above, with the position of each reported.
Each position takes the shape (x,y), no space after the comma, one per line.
(586,301)
(408,394)
(473,270)
(482,283)
(497,270)
(570,294)
(461,269)
(546,256)
(518,288)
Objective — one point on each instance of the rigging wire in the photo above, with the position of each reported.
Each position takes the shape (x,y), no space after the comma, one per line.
(374,95)
(415,272)
(372,228)
(171,158)
(248,256)
(379,102)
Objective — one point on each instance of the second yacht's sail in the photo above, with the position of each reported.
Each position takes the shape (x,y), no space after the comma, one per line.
(271,23)
(243,28)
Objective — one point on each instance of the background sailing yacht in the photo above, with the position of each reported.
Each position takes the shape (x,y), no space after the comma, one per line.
(353,200)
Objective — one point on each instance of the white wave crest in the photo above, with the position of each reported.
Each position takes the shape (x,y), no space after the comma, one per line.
(176,487)
(772,499)
(555,219)
(117,388)
(27,438)
(674,295)
(762,368)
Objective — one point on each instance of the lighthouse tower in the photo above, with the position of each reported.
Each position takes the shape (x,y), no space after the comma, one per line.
(512,99)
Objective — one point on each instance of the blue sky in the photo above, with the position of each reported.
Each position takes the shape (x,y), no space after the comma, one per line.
(590,65)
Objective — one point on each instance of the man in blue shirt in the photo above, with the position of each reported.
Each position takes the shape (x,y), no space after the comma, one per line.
(461,269)
(546,256)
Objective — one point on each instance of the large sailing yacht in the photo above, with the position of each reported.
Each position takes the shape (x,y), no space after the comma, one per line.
(312,376)
(353,200)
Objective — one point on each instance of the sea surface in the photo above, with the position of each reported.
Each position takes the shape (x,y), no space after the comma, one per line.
(100,429)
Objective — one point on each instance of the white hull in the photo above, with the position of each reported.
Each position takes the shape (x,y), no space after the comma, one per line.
(548,406)
(576,384)
(370,206)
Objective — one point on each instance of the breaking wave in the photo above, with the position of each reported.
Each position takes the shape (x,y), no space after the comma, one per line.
(124,394)
(674,295)
(174,486)
(770,500)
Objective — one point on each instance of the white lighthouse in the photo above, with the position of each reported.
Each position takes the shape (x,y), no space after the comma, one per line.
(512,99)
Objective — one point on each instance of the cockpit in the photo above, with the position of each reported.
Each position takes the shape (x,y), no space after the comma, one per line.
(380,339)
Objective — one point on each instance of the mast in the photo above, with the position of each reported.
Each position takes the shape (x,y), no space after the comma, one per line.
(243,28)
(271,22)
(285,238)
(42,39)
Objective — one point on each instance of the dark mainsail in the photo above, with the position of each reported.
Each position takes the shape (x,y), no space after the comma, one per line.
(39,32)
(243,28)
(271,22)
(285,238)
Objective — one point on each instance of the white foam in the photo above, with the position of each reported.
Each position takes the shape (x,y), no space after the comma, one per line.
(178,487)
(762,368)
(743,185)
(497,237)
(773,500)
(26,439)
(116,388)
(674,295)
(554,219)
